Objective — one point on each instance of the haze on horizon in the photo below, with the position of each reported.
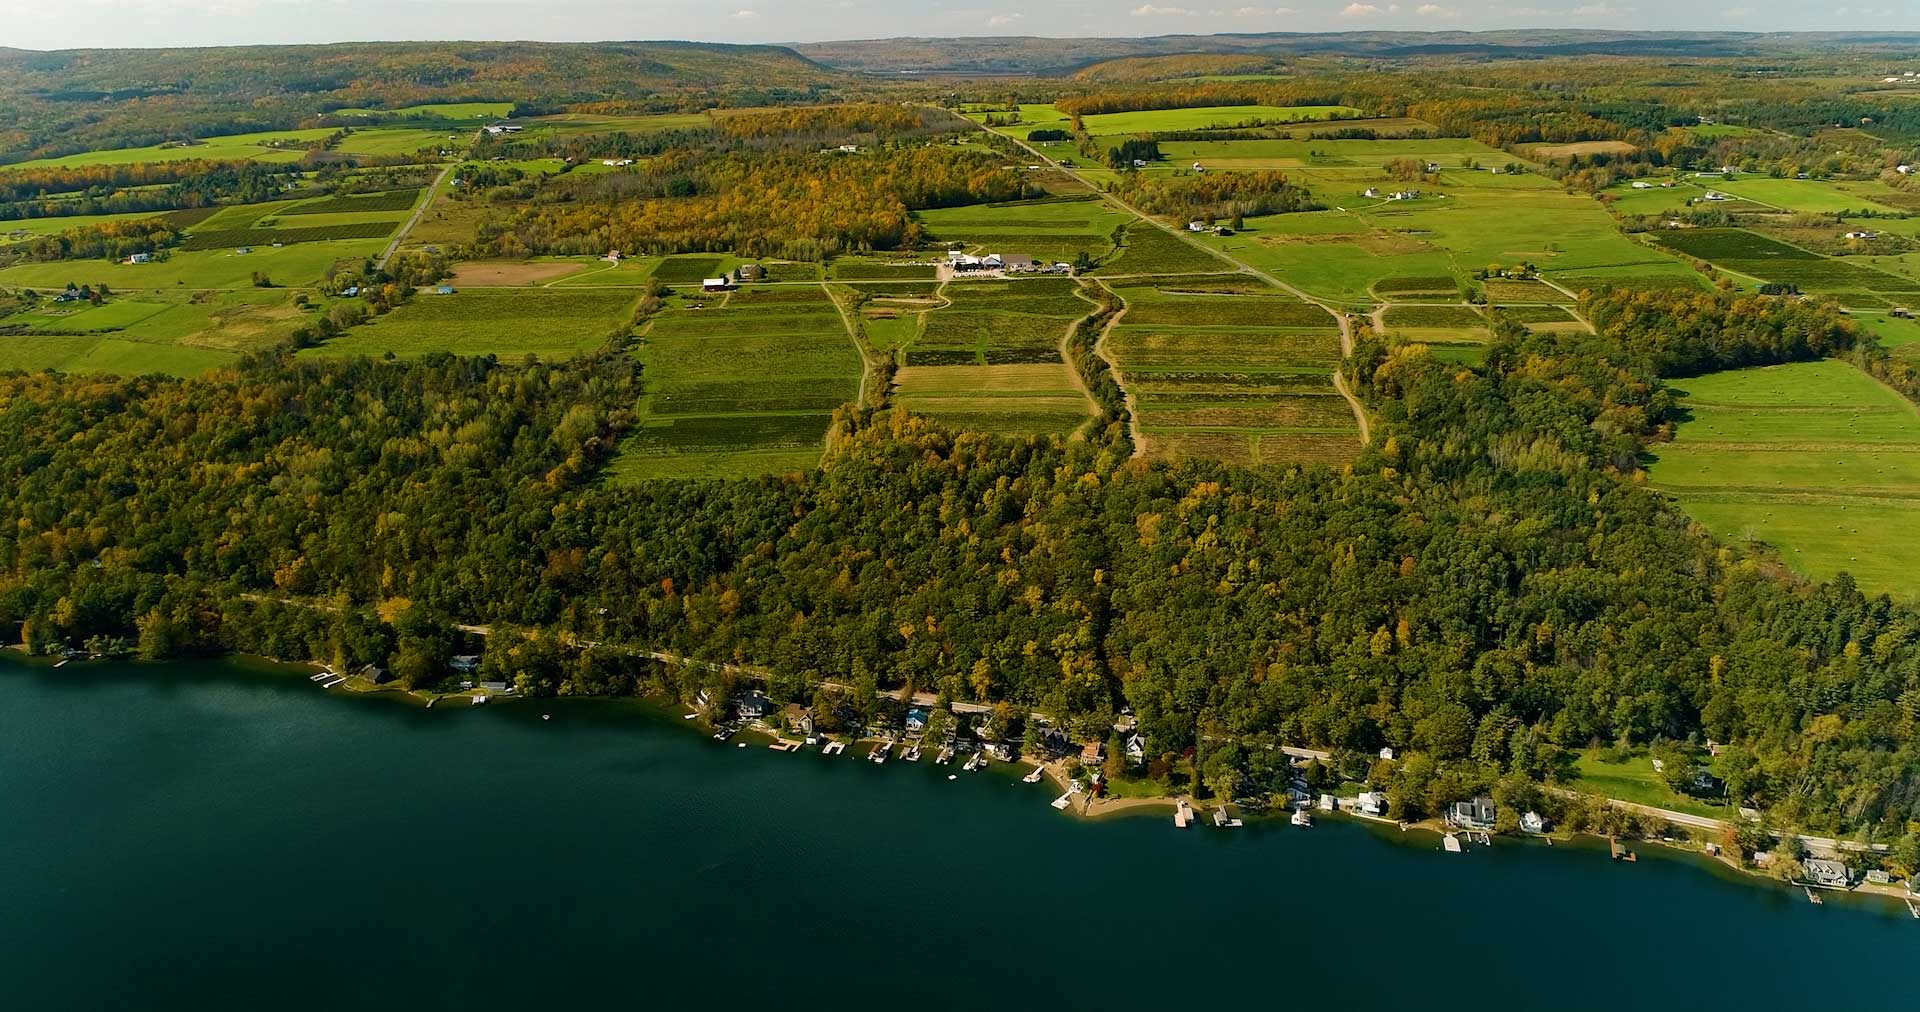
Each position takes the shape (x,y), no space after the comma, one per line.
(40,24)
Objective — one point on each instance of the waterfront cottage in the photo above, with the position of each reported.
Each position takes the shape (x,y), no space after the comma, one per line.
(1136,749)
(753,705)
(799,719)
(1091,753)
(1476,814)
(1828,873)
(1372,802)
(1533,822)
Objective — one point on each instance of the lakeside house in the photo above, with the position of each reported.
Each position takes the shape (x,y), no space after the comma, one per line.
(464,663)
(1372,803)
(1136,749)
(1828,873)
(799,719)
(1476,814)
(1092,752)
(753,706)
(1533,822)
(916,720)
(501,687)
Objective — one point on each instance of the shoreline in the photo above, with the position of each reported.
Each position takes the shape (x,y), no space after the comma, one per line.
(1054,773)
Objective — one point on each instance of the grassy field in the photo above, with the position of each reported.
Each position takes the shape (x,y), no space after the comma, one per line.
(1225,367)
(1052,230)
(741,385)
(504,322)
(1900,334)
(989,359)
(1635,780)
(474,112)
(1815,459)
(1758,256)
(1149,249)
(1205,118)
(295,265)
(267,146)
(179,333)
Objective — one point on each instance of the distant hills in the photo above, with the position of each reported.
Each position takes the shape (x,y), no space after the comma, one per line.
(1028,55)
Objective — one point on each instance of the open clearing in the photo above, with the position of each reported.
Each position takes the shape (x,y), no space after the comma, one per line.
(178,333)
(743,385)
(1226,367)
(294,265)
(504,322)
(989,358)
(1815,459)
(512,273)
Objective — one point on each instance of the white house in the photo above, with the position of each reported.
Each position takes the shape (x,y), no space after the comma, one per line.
(1196,226)
(140,258)
(1861,235)
(1136,749)
(1903,169)
(1641,184)
(1532,822)
(1371,191)
(1372,802)
(1386,752)
(1197,167)
(1139,163)
(849,149)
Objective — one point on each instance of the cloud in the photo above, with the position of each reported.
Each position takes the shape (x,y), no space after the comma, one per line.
(1600,10)
(1003,20)
(1357,10)
(1435,11)
(1151,11)
(744,16)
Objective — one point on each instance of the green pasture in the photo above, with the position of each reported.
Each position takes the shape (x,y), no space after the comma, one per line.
(741,385)
(255,146)
(1815,459)
(506,322)
(294,265)
(178,333)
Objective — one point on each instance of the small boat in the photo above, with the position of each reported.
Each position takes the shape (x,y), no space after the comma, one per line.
(879,754)
(62,662)
(741,745)
(546,716)
(1034,777)
(945,756)
(913,754)
(1301,818)
(953,776)
(975,761)
(1450,843)
(478,700)
(690,716)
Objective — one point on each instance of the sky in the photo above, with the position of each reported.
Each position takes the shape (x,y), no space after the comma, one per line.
(62,24)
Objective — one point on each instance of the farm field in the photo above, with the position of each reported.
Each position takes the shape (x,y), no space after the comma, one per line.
(1817,195)
(1227,367)
(504,322)
(294,265)
(1204,118)
(990,357)
(1149,249)
(476,112)
(1052,230)
(1902,335)
(1815,459)
(743,385)
(178,333)
(1757,256)
(573,124)
(267,146)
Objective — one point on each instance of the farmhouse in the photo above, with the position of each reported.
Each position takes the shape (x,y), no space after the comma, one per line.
(616,163)
(1641,184)
(1196,226)
(140,258)
(1716,196)
(1372,802)
(1371,191)
(750,272)
(1197,167)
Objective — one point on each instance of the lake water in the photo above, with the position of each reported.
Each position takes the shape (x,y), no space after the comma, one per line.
(214,836)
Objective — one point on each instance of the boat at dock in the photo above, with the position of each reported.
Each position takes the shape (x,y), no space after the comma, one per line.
(913,754)
(975,761)
(945,756)
(1034,777)
(1301,818)
(1224,821)
(880,752)
(1450,843)
(478,700)
(335,682)
(1182,813)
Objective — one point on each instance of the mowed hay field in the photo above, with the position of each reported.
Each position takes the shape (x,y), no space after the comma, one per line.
(506,322)
(177,333)
(1226,367)
(1049,229)
(738,386)
(1815,459)
(990,359)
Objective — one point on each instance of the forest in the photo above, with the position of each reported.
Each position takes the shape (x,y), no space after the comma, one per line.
(1489,587)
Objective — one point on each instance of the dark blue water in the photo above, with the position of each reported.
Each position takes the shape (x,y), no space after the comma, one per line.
(215,836)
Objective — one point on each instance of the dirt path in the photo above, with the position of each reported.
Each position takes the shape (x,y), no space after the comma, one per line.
(433,193)
(859,343)
(1126,392)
